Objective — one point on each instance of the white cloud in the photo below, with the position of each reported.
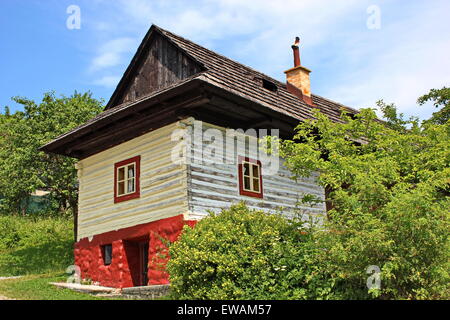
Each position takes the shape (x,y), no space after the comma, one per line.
(107,81)
(110,54)
(105,60)
(400,62)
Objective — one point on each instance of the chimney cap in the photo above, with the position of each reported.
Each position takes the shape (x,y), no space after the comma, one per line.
(296,43)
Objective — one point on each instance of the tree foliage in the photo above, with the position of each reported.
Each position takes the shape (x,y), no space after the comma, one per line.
(23,168)
(440,99)
(390,188)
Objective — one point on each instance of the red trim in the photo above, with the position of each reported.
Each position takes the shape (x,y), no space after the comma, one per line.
(243,192)
(135,195)
(138,232)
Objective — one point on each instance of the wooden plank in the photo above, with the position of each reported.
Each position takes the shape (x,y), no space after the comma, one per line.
(159,65)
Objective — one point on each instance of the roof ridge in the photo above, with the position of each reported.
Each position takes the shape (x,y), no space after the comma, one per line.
(282,84)
(278,82)
(335,102)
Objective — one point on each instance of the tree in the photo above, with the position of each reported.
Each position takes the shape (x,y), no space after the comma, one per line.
(440,98)
(23,168)
(390,199)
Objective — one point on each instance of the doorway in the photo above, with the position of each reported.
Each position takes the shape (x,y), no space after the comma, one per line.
(137,257)
(143,257)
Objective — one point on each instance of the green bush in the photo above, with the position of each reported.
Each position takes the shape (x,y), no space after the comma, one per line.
(245,254)
(30,245)
(407,240)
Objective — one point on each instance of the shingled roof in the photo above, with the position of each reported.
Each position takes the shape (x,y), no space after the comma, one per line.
(245,82)
(219,72)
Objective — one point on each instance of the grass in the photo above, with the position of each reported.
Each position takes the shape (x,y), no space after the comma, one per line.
(30,245)
(37,248)
(38,287)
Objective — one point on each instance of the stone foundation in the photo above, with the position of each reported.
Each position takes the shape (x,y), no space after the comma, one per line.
(146,293)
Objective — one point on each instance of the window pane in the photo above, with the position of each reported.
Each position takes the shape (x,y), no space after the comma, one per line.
(131,171)
(121,188)
(121,176)
(107,254)
(247,183)
(130,185)
(256,185)
(255,171)
(246,169)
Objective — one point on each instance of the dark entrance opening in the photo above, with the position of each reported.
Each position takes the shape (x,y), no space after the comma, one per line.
(143,254)
(136,251)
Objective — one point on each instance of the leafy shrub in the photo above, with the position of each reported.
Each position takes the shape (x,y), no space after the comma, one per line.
(9,234)
(31,245)
(407,240)
(244,254)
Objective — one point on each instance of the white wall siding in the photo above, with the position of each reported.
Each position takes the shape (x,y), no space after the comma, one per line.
(163,185)
(213,186)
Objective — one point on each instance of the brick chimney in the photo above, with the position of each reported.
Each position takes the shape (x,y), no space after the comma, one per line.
(298,82)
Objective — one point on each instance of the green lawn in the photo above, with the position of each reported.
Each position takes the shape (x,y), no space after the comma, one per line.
(38,287)
(33,245)
(36,248)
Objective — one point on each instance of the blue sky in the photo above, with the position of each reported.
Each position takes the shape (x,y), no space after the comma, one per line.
(351,63)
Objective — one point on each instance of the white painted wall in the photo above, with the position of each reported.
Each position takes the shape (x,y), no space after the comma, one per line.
(163,185)
(215,186)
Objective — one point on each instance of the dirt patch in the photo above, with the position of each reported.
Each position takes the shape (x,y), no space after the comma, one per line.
(10,278)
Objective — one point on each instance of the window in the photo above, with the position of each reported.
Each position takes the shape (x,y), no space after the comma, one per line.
(126,179)
(107,254)
(269,85)
(266,84)
(250,178)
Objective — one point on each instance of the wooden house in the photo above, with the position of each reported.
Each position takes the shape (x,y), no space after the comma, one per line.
(133,193)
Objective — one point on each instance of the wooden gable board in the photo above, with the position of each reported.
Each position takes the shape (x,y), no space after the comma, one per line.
(158,64)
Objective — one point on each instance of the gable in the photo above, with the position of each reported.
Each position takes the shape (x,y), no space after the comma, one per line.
(159,65)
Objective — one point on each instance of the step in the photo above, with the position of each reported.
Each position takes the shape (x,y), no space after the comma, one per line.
(91,289)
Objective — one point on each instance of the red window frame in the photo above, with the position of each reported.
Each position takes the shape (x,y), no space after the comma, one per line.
(137,193)
(242,191)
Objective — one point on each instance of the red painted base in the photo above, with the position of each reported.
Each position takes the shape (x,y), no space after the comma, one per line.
(125,269)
